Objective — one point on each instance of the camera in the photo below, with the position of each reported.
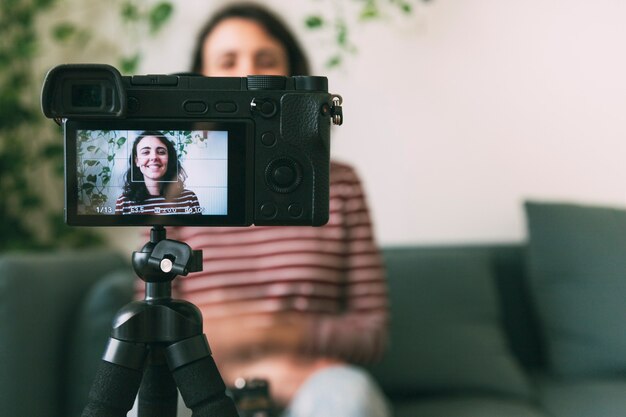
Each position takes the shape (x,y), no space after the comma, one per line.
(188,150)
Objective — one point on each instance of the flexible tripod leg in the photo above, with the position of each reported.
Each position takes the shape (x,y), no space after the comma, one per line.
(158,396)
(117,380)
(198,378)
(156,331)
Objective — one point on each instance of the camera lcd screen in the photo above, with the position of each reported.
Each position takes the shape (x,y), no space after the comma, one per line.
(166,173)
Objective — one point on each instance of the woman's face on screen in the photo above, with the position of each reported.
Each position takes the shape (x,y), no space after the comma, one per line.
(152,158)
(238,47)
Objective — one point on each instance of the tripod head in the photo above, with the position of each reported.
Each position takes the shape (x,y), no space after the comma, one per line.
(157,345)
(161,259)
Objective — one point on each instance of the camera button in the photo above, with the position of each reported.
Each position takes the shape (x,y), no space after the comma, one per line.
(284,176)
(266,107)
(295,210)
(133,105)
(268,139)
(268,210)
(195,106)
(226,107)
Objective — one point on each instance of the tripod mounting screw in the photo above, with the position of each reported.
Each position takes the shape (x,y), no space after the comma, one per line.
(166,265)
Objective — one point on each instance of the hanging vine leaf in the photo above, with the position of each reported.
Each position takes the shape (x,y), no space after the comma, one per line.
(314,22)
(129,65)
(339,33)
(130,12)
(64,31)
(342,34)
(159,15)
(370,11)
(333,61)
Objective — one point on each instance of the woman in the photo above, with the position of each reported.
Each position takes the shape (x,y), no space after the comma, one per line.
(155,180)
(296,306)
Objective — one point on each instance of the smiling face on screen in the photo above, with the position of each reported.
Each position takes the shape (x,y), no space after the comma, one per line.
(152,158)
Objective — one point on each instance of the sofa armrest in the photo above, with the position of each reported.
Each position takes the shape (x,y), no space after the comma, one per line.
(39,298)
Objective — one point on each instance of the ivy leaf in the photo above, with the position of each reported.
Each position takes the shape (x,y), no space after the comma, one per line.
(314,22)
(128,65)
(342,35)
(121,141)
(92,162)
(64,31)
(159,15)
(334,61)
(370,11)
(43,4)
(129,12)
(51,151)
(30,201)
(91,178)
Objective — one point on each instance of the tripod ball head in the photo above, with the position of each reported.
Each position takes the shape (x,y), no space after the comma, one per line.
(164,260)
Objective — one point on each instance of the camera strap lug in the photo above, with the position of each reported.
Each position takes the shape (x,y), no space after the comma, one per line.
(336,112)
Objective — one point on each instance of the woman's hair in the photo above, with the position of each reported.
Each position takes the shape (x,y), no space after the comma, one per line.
(173,180)
(298,62)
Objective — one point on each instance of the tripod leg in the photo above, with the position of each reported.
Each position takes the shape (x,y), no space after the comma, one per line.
(198,379)
(117,380)
(158,396)
(113,391)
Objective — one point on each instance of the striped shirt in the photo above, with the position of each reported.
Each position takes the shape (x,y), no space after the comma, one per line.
(185,203)
(331,275)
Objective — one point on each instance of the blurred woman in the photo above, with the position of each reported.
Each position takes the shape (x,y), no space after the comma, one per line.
(296,306)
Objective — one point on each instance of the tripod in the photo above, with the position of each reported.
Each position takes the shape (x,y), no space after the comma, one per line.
(157,345)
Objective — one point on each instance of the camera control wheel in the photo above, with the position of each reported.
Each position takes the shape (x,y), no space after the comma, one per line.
(266,82)
(283,175)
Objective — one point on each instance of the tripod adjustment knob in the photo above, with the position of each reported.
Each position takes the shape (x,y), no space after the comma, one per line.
(166,265)
(164,260)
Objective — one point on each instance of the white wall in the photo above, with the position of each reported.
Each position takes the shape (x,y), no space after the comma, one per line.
(456,115)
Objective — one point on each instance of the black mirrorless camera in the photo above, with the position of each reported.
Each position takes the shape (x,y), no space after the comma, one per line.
(192,150)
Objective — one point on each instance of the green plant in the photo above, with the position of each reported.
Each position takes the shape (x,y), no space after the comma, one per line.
(338,25)
(31,150)
(96,153)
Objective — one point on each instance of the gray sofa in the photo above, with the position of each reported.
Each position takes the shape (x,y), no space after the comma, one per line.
(535,329)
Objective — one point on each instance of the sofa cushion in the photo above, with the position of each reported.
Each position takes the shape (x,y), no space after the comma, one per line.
(39,295)
(90,334)
(466,406)
(602,397)
(577,267)
(446,330)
